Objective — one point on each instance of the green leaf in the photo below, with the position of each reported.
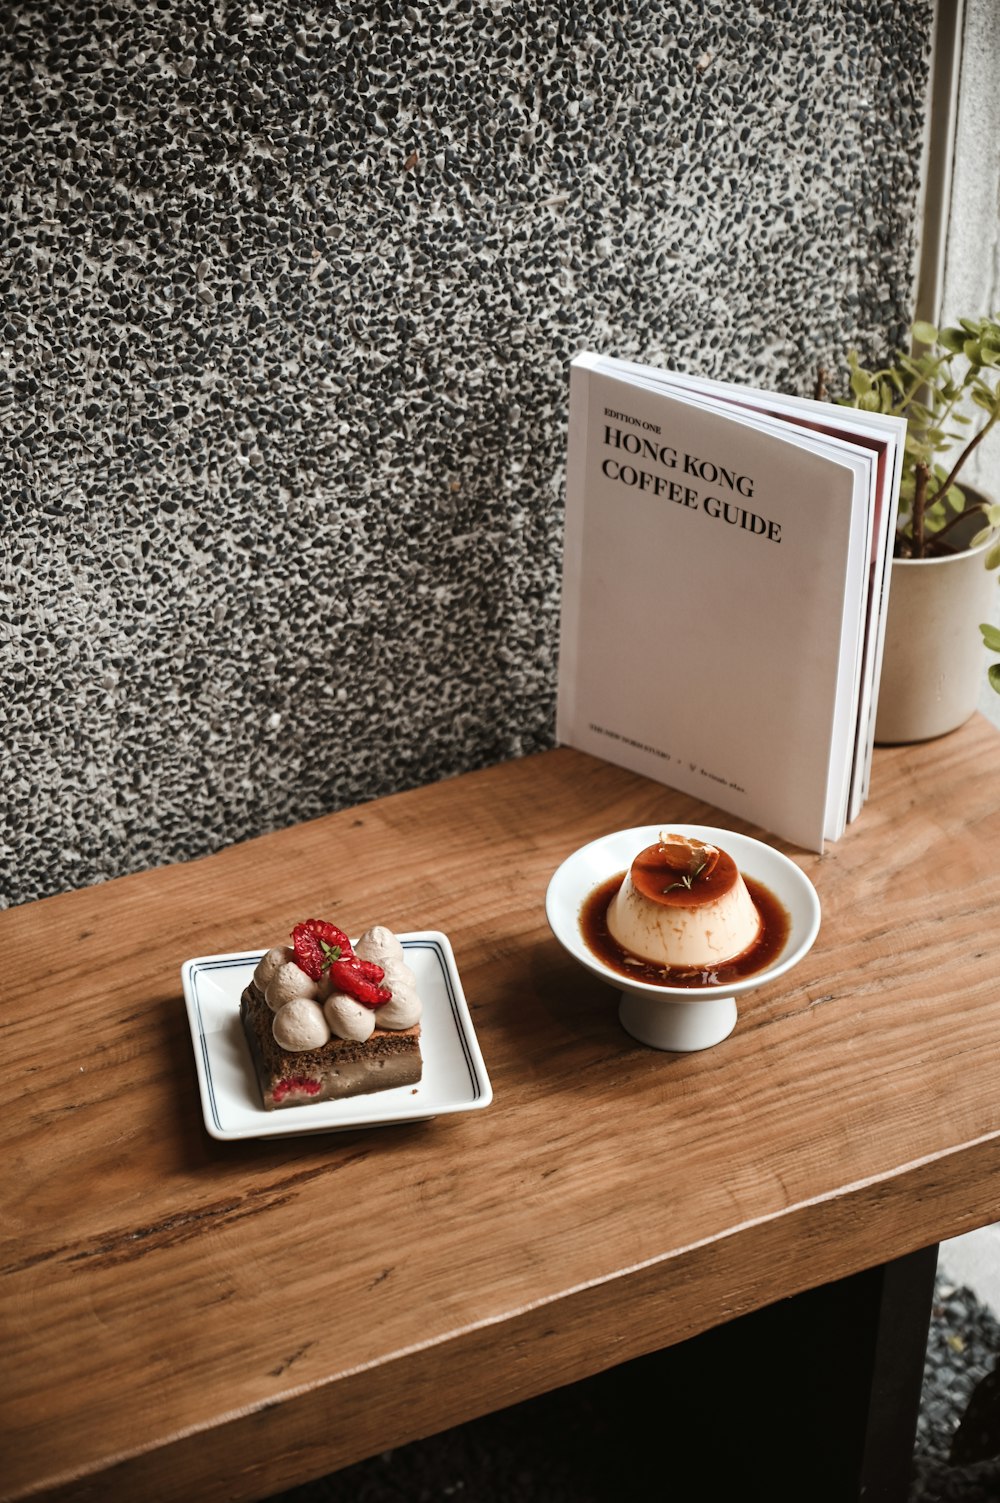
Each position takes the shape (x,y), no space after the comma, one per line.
(991,636)
(861,382)
(994,676)
(952,339)
(924,333)
(330,954)
(992,559)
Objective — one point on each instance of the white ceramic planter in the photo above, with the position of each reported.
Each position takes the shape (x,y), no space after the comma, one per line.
(934,662)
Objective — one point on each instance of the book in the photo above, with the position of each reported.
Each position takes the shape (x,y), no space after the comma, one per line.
(725,579)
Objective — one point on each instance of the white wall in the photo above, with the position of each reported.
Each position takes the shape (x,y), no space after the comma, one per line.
(968,283)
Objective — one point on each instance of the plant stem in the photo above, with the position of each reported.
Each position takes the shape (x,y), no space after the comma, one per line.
(921,474)
(946,485)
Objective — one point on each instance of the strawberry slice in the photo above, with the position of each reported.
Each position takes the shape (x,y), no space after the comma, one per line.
(317,945)
(330,935)
(360,979)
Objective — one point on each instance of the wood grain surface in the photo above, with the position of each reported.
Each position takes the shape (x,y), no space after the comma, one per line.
(187,1318)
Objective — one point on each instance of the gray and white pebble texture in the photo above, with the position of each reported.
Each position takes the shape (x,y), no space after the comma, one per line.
(289,295)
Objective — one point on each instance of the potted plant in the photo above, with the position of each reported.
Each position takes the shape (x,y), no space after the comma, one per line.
(946,547)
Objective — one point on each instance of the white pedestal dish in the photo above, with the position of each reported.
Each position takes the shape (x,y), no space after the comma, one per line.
(680,1019)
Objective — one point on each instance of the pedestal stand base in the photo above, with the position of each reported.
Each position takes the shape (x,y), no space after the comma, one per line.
(679,1026)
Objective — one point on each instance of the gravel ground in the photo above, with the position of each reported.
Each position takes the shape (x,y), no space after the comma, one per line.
(958,1434)
(567,1447)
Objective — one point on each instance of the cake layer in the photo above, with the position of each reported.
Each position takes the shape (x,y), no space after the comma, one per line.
(340,1068)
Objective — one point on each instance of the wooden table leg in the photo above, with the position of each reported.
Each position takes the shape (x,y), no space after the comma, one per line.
(903,1322)
(814,1398)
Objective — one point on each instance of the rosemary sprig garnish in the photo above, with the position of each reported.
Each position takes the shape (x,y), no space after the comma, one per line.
(688,879)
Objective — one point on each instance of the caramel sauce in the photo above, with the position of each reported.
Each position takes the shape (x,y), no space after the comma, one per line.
(656,879)
(775,926)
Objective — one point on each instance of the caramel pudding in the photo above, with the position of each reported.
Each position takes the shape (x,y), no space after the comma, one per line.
(684,905)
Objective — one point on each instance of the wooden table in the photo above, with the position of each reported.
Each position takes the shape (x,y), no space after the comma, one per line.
(183,1318)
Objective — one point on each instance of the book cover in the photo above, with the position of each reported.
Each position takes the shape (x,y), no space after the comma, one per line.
(719,609)
(885,436)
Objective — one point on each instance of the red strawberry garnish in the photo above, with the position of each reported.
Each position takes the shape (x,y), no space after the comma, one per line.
(323,949)
(308,952)
(317,945)
(329,934)
(360,979)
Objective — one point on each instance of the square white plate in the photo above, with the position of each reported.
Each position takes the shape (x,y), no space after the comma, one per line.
(454,1075)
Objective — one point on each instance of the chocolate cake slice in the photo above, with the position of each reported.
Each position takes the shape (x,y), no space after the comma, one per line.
(339,1068)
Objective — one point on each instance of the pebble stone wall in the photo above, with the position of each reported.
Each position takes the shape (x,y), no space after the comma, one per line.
(287,299)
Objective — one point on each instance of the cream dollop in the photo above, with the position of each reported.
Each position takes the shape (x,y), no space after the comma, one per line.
(300,1024)
(404,1007)
(380,945)
(288,982)
(269,963)
(306,1012)
(349,1019)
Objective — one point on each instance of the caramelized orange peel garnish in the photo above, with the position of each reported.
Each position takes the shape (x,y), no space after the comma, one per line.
(689,858)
